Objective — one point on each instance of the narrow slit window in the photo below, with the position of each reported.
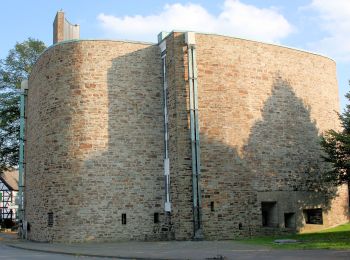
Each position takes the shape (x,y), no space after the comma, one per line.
(156,218)
(212,208)
(50,219)
(123,219)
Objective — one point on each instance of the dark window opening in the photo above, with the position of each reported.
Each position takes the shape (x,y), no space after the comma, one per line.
(289,220)
(313,216)
(212,206)
(156,217)
(123,219)
(269,214)
(240,226)
(50,219)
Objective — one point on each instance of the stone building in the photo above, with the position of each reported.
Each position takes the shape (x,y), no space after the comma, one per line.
(198,136)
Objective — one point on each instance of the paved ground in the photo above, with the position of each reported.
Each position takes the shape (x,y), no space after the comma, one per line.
(10,253)
(170,250)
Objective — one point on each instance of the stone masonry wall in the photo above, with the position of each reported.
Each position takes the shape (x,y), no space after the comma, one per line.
(95,143)
(261,109)
(179,137)
(95,139)
(58,28)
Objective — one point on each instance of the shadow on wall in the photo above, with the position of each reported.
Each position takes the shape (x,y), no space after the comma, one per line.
(283,150)
(284,155)
(280,165)
(125,181)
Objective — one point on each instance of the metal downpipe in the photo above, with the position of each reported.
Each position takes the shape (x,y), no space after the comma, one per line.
(195,145)
(23,96)
(162,46)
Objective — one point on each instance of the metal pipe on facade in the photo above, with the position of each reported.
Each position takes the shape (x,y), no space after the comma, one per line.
(195,138)
(23,97)
(162,45)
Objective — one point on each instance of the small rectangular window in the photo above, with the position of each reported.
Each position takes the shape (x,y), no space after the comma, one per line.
(313,216)
(212,206)
(269,214)
(50,219)
(123,219)
(156,217)
(289,220)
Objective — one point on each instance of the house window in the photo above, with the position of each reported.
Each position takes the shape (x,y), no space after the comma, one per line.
(269,214)
(313,216)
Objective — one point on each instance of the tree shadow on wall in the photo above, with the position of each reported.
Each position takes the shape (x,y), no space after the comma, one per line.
(283,150)
(283,154)
(281,162)
(125,175)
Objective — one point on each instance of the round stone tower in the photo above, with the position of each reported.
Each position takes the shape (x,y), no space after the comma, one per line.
(199,136)
(94,142)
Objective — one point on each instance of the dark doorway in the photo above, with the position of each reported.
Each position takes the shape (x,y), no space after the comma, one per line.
(289,220)
(269,214)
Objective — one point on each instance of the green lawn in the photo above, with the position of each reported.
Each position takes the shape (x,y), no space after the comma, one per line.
(333,238)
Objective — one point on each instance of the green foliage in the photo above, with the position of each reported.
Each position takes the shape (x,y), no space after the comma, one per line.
(9,129)
(333,238)
(337,148)
(13,69)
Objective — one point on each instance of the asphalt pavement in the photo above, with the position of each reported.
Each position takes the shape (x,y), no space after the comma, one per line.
(10,253)
(158,250)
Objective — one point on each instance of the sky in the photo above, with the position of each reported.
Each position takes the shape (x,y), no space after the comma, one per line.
(321,26)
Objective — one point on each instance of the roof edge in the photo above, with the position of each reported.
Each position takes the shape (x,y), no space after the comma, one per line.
(89,40)
(252,40)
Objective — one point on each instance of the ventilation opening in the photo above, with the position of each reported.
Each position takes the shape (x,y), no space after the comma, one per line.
(50,219)
(212,206)
(156,218)
(123,219)
(269,214)
(313,216)
(289,220)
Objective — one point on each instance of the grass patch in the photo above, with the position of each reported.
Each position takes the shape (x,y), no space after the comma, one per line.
(333,238)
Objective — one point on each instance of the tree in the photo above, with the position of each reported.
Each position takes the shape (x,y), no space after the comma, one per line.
(336,144)
(13,69)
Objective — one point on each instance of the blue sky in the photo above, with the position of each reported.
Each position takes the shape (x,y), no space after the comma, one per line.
(321,26)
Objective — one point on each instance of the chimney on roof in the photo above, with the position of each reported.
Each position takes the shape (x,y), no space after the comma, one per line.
(63,30)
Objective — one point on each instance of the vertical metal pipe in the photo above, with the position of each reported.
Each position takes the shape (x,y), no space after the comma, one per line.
(197,137)
(167,205)
(194,129)
(193,142)
(23,95)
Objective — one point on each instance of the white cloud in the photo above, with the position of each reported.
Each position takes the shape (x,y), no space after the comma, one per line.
(335,20)
(236,19)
